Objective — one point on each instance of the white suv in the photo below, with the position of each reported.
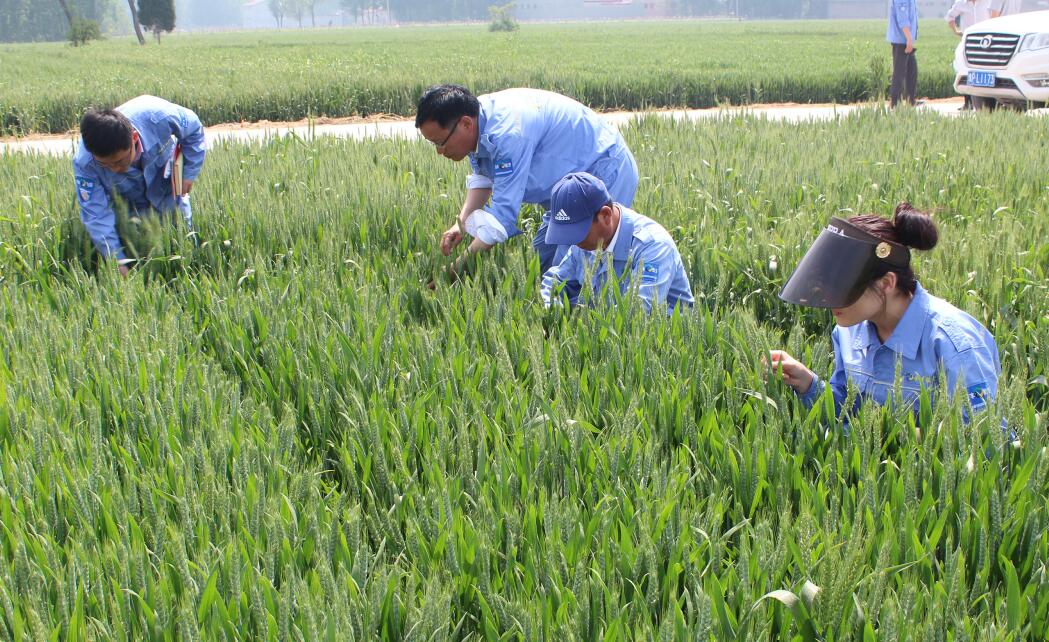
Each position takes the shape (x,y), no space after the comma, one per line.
(1005,59)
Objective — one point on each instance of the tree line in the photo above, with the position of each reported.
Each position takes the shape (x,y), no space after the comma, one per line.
(43,20)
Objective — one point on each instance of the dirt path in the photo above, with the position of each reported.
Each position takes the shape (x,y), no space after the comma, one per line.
(395,126)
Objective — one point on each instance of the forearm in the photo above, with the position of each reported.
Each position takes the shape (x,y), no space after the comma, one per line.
(475,200)
(907,34)
(477,245)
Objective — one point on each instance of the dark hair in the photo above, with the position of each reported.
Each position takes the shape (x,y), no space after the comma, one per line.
(446,104)
(105,132)
(909,227)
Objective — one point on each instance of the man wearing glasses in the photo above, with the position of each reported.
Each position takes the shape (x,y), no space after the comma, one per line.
(133,151)
(520,142)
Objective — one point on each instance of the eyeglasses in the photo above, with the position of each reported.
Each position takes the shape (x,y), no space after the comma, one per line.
(119,163)
(449,136)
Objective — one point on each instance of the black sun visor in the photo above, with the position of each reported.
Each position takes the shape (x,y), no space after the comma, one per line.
(839,266)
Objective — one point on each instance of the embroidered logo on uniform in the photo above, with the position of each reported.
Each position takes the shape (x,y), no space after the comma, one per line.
(650,273)
(84,188)
(504,167)
(978,395)
(562,216)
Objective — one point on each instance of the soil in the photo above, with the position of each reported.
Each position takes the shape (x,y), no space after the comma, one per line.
(391,118)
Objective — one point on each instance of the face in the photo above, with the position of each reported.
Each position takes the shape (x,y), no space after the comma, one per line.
(119,162)
(868,306)
(455,141)
(599,233)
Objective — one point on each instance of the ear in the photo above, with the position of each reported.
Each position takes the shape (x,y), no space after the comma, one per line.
(888,283)
(469,123)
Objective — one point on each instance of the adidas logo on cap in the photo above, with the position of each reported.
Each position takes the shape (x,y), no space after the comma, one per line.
(562,216)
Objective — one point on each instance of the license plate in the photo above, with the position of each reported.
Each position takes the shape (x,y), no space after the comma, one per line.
(981,78)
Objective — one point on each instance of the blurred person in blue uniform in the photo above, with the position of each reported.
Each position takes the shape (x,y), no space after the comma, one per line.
(519,142)
(860,268)
(131,151)
(610,246)
(902,34)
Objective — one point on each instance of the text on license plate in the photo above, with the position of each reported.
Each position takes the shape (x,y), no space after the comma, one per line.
(981,79)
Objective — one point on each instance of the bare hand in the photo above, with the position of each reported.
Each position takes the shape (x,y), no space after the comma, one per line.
(124,270)
(452,237)
(451,271)
(186,187)
(909,49)
(793,372)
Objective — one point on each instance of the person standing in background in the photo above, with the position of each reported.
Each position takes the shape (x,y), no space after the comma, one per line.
(962,15)
(965,13)
(1005,7)
(902,34)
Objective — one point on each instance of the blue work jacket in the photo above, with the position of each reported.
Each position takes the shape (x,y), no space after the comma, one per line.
(902,13)
(528,139)
(644,259)
(147,184)
(932,336)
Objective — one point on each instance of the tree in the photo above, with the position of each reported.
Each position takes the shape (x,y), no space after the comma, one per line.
(65,10)
(157,15)
(278,8)
(502,18)
(295,7)
(355,7)
(135,22)
(83,31)
(52,20)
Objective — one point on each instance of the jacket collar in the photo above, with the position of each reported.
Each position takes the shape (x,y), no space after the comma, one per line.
(484,143)
(625,240)
(907,336)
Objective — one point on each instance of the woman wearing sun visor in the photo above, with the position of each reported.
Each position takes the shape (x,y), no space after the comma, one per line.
(860,268)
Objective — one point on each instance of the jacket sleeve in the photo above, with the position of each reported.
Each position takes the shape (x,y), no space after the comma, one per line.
(905,16)
(96,212)
(478,179)
(189,132)
(511,169)
(975,371)
(566,271)
(654,270)
(839,381)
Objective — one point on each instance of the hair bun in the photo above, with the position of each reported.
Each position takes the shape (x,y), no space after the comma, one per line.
(914,228)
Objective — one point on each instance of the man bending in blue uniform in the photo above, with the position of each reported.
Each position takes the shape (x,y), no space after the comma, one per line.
(519,142)
(644,258)
(131,151)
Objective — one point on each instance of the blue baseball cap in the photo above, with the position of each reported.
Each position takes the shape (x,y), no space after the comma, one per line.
(573,202)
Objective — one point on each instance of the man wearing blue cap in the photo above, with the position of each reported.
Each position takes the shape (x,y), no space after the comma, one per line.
(519,143)
(643,256)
